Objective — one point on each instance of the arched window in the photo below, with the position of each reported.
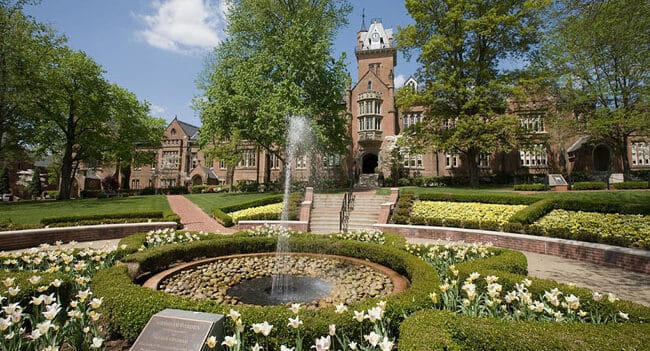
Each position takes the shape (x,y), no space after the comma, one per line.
(369,85)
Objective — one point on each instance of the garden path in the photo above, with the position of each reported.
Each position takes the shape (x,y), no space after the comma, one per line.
(624,284)
(193,218)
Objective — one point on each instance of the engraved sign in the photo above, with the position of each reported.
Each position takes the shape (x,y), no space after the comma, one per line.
(174,330)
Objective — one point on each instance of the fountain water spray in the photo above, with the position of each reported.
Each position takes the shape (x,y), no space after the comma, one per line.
(299,139)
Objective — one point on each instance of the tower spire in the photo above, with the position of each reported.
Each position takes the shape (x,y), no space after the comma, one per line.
(363,19)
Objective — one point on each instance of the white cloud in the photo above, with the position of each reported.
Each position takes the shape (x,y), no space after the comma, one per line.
(184,26)
(157,111)
(399,81)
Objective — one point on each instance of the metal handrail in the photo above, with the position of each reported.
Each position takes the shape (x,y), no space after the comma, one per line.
(344,214)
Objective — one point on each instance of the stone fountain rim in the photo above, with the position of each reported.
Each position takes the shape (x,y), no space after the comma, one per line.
(400,283)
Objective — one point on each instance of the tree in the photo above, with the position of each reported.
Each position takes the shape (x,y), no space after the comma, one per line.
(73,108)
(461,44)
(275,63)
(35,188)
(25,48)
(136,135)
(599,51)
(4,180)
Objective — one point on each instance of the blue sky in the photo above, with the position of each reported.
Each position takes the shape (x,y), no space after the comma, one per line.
(156,48)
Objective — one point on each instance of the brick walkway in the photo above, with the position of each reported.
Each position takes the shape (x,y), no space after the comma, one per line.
(193,218)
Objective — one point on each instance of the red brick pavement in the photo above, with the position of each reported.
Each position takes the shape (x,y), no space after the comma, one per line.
(193,218)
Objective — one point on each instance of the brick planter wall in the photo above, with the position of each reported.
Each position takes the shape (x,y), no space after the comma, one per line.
(635,260)
(22,239)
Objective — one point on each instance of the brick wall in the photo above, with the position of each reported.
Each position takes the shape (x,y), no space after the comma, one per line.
(21,239)
(636,260)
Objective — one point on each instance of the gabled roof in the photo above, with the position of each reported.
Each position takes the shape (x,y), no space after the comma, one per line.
(366,75)
(188,129)
(578,144)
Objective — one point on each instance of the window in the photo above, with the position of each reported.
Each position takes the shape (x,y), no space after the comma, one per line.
(534,156)
(532,123)
(484,160)
(414,161)
(170,160)
(370,123)
(248,159)
(195,160)
(301,162)
(331,161)
(451,160)
(167,183)
(222,164)
(369,82)
(135,184)
(449,123)
(370,107)
(173,132)
(412,118)
(641,154)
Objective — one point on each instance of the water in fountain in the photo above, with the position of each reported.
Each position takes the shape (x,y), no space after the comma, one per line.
(299,138)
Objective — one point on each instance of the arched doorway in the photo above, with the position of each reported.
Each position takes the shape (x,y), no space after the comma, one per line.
(369,163)
(602,158)
(197,180)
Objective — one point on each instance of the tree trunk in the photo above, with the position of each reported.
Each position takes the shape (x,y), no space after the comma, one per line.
(472,166)
(126,177)
(66,173)
(627,174)
(230,175)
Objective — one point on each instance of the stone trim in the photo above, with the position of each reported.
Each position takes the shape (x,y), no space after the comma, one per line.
(22,239)
(636,260)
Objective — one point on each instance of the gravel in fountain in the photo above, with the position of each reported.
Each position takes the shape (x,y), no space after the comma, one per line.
(349,282)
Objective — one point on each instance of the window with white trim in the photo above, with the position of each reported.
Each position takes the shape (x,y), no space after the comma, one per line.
(451,160)
(449,123)
(535,156)
(275,162)
(248,159)
(135,184)
(370,123)
(413,162)
(222,164)
(331,161)
(412,118)
(640,153)
(533,122)
(301,162)
(484,160)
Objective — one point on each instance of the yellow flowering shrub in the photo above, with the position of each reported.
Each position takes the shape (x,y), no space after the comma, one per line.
(461,213)
(606,228)
(272,211)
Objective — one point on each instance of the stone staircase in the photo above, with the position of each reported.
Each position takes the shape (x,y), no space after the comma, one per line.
(365,210)
(325,213)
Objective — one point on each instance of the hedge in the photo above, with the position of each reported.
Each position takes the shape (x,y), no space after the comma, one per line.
(267,200)
(130,217)
(631,185)
(222,218)
(533,212)
(488,198)
(589,186)
(530,187)
(129,306)
(448,331)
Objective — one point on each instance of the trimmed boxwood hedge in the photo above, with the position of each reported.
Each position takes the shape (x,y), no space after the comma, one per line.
(129,306)
(267,200)
(589,186)
(488,198)
(443,330)
(530,187)
(632,185)
(96,218)
(533,212)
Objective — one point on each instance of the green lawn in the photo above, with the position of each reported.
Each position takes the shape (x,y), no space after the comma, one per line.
(209,201)
(32,212)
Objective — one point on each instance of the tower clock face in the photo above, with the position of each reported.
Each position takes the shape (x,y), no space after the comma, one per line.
(375,36)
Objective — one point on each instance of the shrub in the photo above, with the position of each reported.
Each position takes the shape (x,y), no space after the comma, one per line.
(448,331)
(533,212)
(271,212)
(267,200)
(104,216)
(247,186)
(147,191)
(176,190)
(197,189)
(88,194)
(129,306)
(404,182)
(631,185)
(530,187)
(589,186)
(222,218)
(488,198)
(403,207)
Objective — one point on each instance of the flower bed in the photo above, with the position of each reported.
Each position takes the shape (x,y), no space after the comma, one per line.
(129,305)
(462,214)
(606,228)
(272,211)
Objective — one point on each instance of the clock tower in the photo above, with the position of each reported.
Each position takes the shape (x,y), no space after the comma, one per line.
(371,103)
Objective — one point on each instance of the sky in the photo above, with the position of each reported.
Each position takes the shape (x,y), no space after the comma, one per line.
(157,48)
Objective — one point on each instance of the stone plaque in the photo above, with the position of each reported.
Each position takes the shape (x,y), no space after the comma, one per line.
(175,330)
(616,178)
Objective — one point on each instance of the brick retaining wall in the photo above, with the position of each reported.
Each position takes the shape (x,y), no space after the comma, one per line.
(635,260)
(22,239)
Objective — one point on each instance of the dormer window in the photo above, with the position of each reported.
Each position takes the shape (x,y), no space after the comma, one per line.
(369,85)
(173,132)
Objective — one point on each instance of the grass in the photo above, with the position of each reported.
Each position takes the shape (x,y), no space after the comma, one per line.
(32,212)
(209,201)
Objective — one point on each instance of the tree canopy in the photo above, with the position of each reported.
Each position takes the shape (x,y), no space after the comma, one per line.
(598,52)
(275,62)
(460,45)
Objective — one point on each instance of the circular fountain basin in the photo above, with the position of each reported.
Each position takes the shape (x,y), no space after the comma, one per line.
(315,280)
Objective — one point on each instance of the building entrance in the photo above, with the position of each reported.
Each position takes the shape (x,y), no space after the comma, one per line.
(602,158)
(370,162)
